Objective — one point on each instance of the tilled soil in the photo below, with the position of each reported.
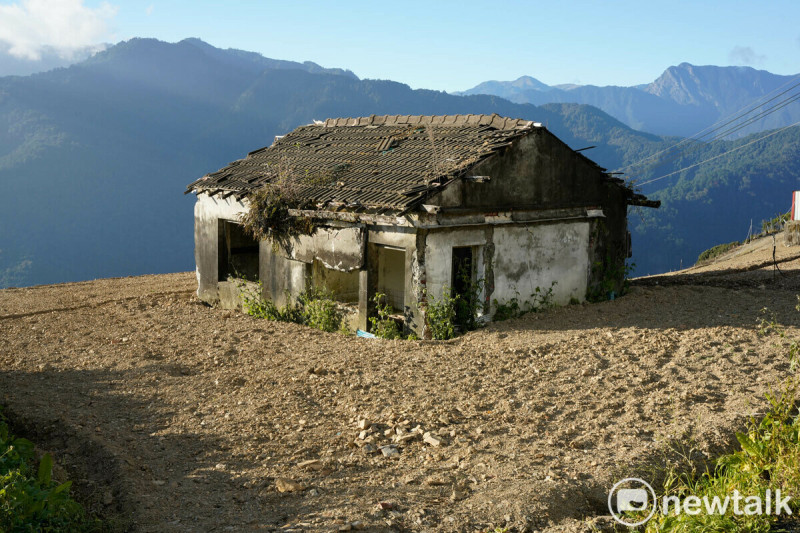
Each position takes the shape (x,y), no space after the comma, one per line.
(173,416)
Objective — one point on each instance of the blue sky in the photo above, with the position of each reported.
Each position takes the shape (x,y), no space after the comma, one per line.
(443,45)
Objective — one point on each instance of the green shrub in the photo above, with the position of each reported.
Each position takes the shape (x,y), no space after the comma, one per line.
(468,303)
(29,499)
(716,251)
(315,308)
(510,309)
(441,315)
(383,326)
(768,459)
(268,218)
(255,304)
(614,277)
(540,300)
(320,311)
(451,310)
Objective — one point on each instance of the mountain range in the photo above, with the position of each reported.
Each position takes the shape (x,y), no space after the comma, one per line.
(94,157)
(683,101)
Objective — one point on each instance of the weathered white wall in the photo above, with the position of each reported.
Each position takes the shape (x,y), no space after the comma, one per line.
(336,248)
(527,257)
(207,212)
(344,285)
(523,258)
(439,255)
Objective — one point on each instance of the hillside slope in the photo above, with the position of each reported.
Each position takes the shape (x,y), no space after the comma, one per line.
(148,396)
(94,158)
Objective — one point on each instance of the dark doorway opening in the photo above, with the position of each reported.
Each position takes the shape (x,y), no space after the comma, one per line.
(238,252)
(464,285)
(462,275)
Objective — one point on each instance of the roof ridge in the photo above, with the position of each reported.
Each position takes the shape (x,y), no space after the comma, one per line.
(494,120)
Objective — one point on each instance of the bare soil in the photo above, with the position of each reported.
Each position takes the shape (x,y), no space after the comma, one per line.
(173,416)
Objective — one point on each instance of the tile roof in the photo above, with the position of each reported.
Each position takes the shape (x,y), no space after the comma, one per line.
(379,164)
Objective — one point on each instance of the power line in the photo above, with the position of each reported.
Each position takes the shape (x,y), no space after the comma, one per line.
(700,143)
(776,107)
(780,105)
(721,123)
(719,155)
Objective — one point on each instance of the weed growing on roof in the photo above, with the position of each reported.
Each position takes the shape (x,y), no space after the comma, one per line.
(269,217)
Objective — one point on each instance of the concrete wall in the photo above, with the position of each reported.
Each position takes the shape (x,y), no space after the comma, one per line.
(207,213)
(439,255)
(514,259)
(283,279)
(540,172)
(343,285)
(337,248)
(283,274)
(287,273)
(527,257)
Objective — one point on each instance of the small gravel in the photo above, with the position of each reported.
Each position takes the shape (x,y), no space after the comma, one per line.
(173,416)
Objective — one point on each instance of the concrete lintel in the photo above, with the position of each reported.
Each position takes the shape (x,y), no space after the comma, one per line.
(351,217)
(465,218)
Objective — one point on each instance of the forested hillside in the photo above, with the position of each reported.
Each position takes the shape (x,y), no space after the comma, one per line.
(94,158)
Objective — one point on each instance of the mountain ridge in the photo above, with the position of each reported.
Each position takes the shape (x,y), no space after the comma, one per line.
(684,100)
(94,157)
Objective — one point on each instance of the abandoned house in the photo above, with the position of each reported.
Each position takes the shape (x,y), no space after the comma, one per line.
(412,206)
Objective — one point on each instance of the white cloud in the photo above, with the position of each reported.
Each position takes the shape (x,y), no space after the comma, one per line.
(149,10)
(31,27)
(744,55)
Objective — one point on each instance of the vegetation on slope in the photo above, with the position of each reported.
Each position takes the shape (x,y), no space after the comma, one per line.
(768,461)
(30,500)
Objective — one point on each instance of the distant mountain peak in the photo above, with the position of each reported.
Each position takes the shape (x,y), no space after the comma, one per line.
(529,82)
(683,100)
(142,49)
(509,89)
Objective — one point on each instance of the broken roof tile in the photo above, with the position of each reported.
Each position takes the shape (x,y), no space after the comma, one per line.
(374,162)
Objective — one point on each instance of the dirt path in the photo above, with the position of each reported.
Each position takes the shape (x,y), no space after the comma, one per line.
(178,417)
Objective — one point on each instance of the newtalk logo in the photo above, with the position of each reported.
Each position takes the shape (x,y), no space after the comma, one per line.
(635,495)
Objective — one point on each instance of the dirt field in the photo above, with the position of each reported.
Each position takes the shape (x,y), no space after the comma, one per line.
(173,416)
